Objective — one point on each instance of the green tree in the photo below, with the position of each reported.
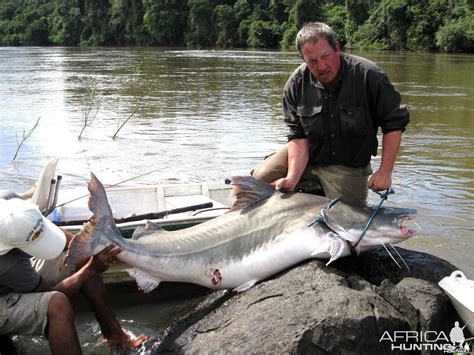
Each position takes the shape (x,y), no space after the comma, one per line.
(65,22)
(308,11)
(358,10)
(24,23)
(425,17)
(457,34)
(126,22)
(425,25)
(336,16)
(165,21)
(96,19)
(386,27)
(202,31)
(226,26)
(300,12)
(263,34)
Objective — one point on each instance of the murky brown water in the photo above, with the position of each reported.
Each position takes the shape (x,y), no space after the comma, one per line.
(206,115)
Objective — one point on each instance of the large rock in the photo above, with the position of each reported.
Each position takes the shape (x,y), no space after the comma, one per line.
(344,308)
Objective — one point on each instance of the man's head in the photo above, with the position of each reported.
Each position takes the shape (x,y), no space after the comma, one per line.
(23,226)
(316,42)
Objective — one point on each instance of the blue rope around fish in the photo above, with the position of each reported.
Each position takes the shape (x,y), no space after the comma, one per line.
(383,196)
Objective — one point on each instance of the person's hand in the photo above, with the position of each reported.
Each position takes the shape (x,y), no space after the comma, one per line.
(284,184)
(380,181)
(101,261)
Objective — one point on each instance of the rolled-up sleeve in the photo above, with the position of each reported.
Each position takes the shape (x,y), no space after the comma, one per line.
(289,105)
(390,114)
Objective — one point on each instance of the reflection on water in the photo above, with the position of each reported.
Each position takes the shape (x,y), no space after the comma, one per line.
(209,114)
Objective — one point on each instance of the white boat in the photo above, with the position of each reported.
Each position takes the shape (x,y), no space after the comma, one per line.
(460,291)
(167,205)
(200,203)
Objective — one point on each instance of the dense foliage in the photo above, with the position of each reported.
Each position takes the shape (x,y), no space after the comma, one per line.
(426,25)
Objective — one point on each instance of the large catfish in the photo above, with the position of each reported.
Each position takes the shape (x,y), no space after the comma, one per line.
(266,232)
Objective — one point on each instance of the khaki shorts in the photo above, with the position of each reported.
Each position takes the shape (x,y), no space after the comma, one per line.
(24,313)
(27,313)
(349,184)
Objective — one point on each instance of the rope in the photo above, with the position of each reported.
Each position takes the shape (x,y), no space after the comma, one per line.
(319,218)
(383,197)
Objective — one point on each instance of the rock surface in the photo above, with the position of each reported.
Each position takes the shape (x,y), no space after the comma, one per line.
(344,308)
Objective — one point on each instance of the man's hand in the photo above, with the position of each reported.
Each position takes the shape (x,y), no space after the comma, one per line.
(380,181)
(284,184)
(101,261)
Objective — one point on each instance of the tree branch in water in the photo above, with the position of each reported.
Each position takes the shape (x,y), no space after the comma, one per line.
(25,137)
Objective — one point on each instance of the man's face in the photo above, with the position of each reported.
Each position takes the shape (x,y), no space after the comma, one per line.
(323,61)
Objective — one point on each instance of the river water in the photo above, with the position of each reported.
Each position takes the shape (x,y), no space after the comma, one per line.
(204,115)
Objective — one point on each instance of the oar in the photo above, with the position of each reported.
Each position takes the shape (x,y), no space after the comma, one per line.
(139,217)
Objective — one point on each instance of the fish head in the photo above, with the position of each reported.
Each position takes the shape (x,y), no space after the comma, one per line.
(389,225)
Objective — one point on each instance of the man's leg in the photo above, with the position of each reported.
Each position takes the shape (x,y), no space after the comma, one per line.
(95,293)
(61,330)
(41,313)
(273,167)
(350,184)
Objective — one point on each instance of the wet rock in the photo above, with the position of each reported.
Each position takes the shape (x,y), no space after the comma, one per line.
(312,308)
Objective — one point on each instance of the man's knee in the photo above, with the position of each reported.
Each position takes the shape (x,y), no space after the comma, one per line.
(60,309)
(273,167)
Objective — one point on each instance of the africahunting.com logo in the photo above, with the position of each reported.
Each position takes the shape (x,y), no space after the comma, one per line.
(429,340)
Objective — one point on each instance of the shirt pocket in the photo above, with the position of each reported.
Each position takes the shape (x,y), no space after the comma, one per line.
(353,121)
(312,120)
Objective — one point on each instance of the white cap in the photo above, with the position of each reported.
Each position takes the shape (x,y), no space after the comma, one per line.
(23,226)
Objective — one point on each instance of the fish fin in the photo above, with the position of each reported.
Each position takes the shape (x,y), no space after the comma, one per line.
(81,245)
(247,285)
(150,228)
(145,282)
(331,223)
(338,248)
(86,242)
(99,205)
(248,190)
(98,202)
(333,245)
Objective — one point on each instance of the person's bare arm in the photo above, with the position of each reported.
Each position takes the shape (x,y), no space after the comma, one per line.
(298,156)
(382,178)
(95,265)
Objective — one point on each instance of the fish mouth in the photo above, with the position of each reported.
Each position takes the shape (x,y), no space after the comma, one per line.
(405,224)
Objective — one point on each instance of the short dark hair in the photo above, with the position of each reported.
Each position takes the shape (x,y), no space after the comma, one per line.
(312,32)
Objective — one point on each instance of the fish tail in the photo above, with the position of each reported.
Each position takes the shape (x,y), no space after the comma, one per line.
(98,203)
(81,246)
(99,232)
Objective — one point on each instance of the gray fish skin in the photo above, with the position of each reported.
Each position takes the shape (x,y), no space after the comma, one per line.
(266,232)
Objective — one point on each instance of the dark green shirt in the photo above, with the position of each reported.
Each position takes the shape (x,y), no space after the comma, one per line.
(342,124)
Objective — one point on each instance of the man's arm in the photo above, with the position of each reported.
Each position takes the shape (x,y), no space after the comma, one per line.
(298,156)
(94,266)
(382,178)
